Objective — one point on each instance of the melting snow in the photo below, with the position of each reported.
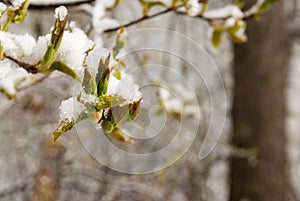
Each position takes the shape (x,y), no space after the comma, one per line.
(61,13)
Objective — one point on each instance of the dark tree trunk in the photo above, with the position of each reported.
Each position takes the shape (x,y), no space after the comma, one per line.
(260,71)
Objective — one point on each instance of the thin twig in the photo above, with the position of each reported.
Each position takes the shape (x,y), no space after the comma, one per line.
(55,5)
(139,20)
(247,15)
(29,68)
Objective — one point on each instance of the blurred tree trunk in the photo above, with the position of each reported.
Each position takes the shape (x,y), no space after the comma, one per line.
(260,71)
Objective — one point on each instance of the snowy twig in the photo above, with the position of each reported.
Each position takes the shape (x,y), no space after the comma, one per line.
(29,68)
(247,15)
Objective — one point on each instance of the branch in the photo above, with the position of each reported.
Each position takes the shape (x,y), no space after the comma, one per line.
(29,68)
(139,20)
(52,6)
(247,15)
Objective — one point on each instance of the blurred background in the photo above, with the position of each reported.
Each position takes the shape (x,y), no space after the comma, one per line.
(256,158)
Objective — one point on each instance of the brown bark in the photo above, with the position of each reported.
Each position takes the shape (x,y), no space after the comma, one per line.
(258,110)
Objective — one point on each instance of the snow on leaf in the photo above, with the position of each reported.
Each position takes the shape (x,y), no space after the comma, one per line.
(125,88)
(64,126)
(18,2)
(236,29)
(108,101)
(71,112)
(72,50)
(61,13)
(86,99)
(193,7)
(17,46)
(56,38)
(227,11)
(11,78)
(93,59)
(70,109)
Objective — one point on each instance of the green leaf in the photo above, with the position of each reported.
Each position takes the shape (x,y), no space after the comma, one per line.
(20,13)
(177,3)
(89,83)
(86,79)
(237,32)
(117,134)
(240,3)
(109,101)
(147,5)
(64,126)
(56,38)
(125,112)
(67,124)
(16,15)
(120,42)
(216,38)
(48,58)
(265,5)
(107,126)
(92,87)
(102,77)
(117,73)
(134,109)
(1,51)
(57,65)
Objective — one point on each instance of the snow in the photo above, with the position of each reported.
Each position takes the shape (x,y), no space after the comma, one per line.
(86,99)
(11,76)
(3,7)
(17,2)
(227,11)
(72,50)
(61,13)
(194,8)
(25,49)
(108,3)
(94,57)
(126,88)
(39,50)
(70,109)
(230,22)
(17,46)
